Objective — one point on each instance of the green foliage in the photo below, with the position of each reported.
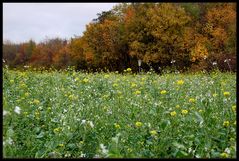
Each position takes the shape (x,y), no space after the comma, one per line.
(156,33)
(68,114)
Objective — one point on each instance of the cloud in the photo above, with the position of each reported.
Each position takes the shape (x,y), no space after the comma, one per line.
(24,21)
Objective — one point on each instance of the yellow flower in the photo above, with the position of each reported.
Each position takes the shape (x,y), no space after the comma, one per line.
(234,108)
(11,81)
(37,113)
(115,85)
(153,132)
(107,76)
(173,113)
(23,85)
(180,82)
(133,85)
(85,80)
(192,100)
(137,92)
(177,106)
(117,126)
(119,93)
(226,123)
(26,94)
(163,92)
(224,155)
(138,124)
(128,69)
(61,145)
(36,101)
(184,112)
(214,95)
(56,130)
(226,94)
(72,97)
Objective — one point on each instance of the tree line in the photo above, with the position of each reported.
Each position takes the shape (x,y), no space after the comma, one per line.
(181,36)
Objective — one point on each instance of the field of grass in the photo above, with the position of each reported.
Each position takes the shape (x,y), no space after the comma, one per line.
(72,115)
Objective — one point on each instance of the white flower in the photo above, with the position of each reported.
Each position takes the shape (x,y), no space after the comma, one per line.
(4,113)
(3,60)
(83,121)
(227,150)
(173,61)
(214,63)
(103,149)
(9,141)
(82,155)
(225,60)
(17,110)
(91,124)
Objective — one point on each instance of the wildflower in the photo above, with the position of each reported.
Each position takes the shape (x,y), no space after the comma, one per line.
(115,85)
(35,101)
(173,61)
(137,92)
(163,92)
(119,93)
(9,141)
(61,145)
(37,113)
(91,124)
(226,123)
(103,149)
(26,94)
(214,63)
(133,85)
(224,155)
(57,130)
(214,95)
(138,124)
(153,132)
(23,85)
(85,80)
(226,94)
(177,106)
(128,69)
(180,82)
(83,121)
(107,76)
(184,112)
(234,108)
(11,81)
(173,113)
(117,126)
(192,100)
(17,110)
(4,112)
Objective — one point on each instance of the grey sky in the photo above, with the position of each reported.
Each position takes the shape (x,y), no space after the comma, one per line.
(37,21)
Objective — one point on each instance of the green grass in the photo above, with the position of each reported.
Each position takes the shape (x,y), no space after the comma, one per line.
(70,114)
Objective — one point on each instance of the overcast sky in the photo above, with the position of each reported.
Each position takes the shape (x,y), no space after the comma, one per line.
(37,21)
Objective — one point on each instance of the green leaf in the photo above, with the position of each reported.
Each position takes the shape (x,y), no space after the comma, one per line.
(199,118)
(41,135)
(165,124)
(179,146)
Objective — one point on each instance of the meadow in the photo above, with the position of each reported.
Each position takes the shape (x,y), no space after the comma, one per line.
(68,114)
